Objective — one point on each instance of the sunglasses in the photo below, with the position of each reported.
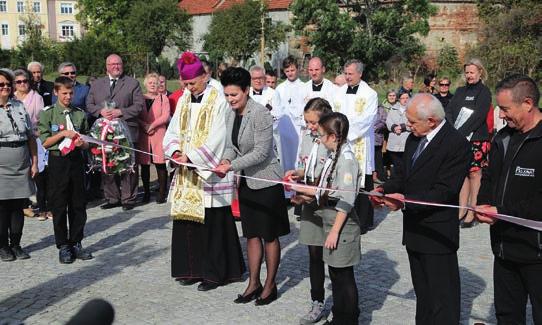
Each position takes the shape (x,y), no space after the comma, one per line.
(22,81)
(5,84)
(444,85)
(73,73)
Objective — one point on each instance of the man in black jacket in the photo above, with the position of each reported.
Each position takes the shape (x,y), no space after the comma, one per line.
(512,185)
(435,162)
(43,87)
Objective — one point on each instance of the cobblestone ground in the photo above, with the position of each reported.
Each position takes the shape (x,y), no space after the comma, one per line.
(131,269)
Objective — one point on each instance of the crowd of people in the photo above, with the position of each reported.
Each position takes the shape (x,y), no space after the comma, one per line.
(244,135)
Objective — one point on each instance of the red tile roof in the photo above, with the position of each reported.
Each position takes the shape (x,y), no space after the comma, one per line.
(205,7)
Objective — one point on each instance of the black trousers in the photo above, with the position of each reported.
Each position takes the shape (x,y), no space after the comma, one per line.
(41,190)
(363,206)
(66,197)
(396,160)
(437,287)
(11,221)
(513,283)
(379,164)
(345,295)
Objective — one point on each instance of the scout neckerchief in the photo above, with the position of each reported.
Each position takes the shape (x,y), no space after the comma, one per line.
(324,176)
(312,160)
(188,200)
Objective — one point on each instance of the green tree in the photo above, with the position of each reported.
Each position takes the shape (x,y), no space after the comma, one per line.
(137,26)
(374,31)
(448,62)
(511,38)
(235,32)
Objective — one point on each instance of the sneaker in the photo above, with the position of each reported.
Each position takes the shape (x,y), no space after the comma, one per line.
(19,252)
(314,315)
(81,253)
(6,255)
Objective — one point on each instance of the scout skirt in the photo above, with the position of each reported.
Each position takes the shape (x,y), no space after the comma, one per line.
(15,173)
(311,229)
(348,250)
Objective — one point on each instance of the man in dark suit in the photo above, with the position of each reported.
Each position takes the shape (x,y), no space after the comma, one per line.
(124,94)
(43,87)
(435,162)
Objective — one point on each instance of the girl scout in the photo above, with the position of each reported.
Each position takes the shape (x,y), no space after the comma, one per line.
(311,158)
(341,251)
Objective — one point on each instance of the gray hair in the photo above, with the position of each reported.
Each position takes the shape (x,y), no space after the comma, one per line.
(427,106)
(359,65)
(33,63)
(255,68)
(406,77)
(21,72)
(66,65)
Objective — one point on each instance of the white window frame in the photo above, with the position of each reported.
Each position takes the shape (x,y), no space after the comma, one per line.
(20,6)
(67,29)
(21,27)
(4,6)
(36,5)
(66,8)
(4,29)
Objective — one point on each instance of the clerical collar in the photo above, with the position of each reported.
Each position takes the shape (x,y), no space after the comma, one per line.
(195,99)
(255,92)
(352,89)
(318,87)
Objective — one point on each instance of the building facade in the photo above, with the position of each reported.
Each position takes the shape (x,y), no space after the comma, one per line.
(55,17)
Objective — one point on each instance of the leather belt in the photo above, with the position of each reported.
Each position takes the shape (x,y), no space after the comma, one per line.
(14,144)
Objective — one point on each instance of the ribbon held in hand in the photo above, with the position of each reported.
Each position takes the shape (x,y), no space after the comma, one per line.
(67,145)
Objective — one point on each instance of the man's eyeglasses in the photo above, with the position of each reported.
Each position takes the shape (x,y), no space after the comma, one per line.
(73,73)
(444,85)
(5,84)
(22,81)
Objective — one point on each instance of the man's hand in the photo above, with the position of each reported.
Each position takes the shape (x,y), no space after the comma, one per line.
(70,134)
(291,175)
(377,201)
(116,112)
(107,113)
(176,159)
(484,213)
(394,201)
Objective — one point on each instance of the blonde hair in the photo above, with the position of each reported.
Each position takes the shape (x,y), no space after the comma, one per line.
(477,63)
(149,76)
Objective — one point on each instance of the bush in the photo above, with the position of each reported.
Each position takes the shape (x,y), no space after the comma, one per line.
(448,62)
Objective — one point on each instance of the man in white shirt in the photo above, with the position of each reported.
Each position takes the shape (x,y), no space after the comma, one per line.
(359,103)
(318,86)
(209,75)
(292,100)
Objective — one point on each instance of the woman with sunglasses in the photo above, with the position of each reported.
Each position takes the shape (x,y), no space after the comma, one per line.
(444,94)
(18,164)
(33,102)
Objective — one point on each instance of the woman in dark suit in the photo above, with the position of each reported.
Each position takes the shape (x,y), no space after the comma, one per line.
(249,151)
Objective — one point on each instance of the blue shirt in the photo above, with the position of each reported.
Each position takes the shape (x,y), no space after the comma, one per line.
(80,93)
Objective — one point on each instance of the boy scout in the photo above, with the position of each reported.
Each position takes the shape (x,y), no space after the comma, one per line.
(66,172)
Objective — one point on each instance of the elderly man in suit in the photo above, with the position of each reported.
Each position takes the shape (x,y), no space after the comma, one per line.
(43,87)
(126,95)
(435,161)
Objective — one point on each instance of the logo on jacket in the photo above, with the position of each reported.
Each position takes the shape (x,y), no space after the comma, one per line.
(524,172)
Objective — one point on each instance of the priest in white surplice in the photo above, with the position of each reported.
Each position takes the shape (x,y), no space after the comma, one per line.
(359,103)
(269,98)
(292,99)
(318,86)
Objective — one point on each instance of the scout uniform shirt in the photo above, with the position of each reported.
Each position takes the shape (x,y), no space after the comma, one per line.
(312,156)
(53,119)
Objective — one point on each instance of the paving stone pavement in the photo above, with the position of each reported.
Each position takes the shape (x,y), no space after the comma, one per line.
(131,269)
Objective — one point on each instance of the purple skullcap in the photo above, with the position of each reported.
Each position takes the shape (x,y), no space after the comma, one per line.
(189,66)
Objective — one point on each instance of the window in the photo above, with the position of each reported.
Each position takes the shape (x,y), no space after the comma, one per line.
(3,6)
(67,31)
(5,30)
(20,6)
(22,30)
(36,7)
(66,8)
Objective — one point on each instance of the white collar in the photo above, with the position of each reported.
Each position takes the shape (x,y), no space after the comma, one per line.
(434,132)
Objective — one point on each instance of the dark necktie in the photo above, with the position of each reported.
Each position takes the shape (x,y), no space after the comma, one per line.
(317,87)
(419,150)
(194,99)
(112,87)
(255,92)
(352,90)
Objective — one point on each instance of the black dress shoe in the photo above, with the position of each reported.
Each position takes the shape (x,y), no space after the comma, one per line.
(81,253)
(65,255)
(249,297)
(127,207)
(269,299)
(110,205)
(161,200)
(19,252)
(146,197)
(6,255)
(206,286)
(188,282)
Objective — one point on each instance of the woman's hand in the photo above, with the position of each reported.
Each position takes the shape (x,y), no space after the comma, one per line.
(222,169)
(34,171)
(331,240)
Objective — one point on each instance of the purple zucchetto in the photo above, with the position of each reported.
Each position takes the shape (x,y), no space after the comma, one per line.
(189,66)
